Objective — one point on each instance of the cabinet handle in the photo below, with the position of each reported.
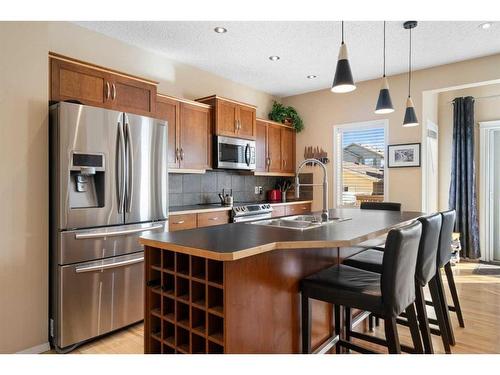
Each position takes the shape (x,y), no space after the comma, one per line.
(179,222)
(108,90)
(182,154)
(177,154)
(213,218)
(113,95)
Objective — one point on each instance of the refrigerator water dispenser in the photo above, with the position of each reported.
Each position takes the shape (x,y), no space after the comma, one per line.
(87,181)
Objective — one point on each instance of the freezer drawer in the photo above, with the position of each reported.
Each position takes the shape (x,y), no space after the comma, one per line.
(90,244)
(98,297)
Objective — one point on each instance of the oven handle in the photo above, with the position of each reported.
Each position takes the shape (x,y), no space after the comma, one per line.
(247,218)
(103,267)
(83,236)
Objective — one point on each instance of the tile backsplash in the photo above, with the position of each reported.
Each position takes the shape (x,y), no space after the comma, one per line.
(189,189)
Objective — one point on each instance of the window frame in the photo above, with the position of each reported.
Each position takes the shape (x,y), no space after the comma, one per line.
(338,129)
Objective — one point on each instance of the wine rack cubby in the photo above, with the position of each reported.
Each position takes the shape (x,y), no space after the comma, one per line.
(184,303)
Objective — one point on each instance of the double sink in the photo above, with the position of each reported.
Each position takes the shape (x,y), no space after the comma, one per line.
(298,222)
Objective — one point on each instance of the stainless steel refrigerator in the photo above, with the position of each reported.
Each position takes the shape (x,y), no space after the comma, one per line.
(108,177)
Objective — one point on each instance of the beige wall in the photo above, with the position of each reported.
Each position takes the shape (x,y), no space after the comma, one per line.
(321,110)
(484,110)
(24,152)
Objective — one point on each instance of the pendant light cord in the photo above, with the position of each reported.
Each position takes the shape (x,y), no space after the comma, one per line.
(384,48)
(409,69)
(342,32)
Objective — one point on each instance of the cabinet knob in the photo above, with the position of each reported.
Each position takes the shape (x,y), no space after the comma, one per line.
(182,154)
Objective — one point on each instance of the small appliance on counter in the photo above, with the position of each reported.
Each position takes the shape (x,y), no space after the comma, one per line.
(226,199)
(274,195)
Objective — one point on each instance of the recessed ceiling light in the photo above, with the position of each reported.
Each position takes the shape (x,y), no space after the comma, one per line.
(485,26)
(220,30)
(274,58)
(311,76)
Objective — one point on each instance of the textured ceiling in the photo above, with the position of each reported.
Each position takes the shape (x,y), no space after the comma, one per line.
(305,48)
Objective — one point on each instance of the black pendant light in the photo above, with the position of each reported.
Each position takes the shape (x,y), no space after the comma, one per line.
(343,81)
(384,102)
(410,115)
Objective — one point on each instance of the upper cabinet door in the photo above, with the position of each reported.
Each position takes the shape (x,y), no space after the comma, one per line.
(288,149)
(226,121)
(261,147)
(274,145)
(169,110)
(194,135)
(77,82)
(130,95)
(246,122)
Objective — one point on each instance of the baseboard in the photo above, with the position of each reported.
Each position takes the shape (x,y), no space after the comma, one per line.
(37,349)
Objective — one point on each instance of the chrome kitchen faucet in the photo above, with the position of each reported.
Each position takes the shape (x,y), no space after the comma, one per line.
(324,214)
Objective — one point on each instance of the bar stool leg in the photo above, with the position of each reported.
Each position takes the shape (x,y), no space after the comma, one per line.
(423,320)
(413,325)
(454,294)
(306,324)
(446,310)
(391,335)
(438,307)
(337,328)
(347,326)
(371,321)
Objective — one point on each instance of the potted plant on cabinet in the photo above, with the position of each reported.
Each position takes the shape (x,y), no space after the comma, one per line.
(286,115)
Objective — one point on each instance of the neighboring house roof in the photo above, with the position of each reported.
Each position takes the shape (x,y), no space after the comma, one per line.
(373,174)
(363,151)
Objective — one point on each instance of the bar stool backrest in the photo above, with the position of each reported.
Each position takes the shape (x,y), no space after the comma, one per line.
(428,248)
(388,206)
(444,252)
(398,268)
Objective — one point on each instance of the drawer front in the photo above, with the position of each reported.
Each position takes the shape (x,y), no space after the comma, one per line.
(297,209)
(213,218)
(278,211)
(181,222)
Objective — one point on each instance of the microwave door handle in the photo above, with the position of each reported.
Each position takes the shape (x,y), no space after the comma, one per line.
(129,165)
(247,154)
(120,170)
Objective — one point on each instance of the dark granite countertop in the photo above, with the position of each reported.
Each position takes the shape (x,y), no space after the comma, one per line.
(240,240)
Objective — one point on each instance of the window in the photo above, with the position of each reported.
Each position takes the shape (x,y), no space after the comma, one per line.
(360,175)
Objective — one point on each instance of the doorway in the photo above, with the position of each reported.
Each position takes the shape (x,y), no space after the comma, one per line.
(489,190)
(431,170)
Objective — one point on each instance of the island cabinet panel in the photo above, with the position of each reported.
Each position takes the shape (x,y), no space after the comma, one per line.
(184,304)
(232,118)
(90,84)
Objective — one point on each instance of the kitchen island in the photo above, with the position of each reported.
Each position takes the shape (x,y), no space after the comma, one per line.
(234,288)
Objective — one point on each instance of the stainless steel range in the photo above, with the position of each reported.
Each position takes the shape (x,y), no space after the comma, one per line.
(243,212)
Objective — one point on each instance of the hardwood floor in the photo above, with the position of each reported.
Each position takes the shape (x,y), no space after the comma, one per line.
(479,297)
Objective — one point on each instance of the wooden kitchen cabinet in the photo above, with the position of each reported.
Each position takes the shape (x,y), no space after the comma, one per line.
(208,219)
(181,222)
(297,209)
(169,109)
(90,84)
(195,142)
(232,118)
(275,149)
(189,133)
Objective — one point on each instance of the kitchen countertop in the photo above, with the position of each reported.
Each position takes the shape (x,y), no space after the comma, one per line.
(197,208)
(235,241)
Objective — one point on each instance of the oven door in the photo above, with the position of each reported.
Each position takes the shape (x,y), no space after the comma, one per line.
(235,153)
(244,219)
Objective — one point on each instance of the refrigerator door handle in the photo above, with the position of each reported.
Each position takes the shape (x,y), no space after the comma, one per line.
(108,265)
(129,150)
(84,236)
(121,170)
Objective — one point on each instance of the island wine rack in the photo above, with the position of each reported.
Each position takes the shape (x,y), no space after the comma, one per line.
(184,303)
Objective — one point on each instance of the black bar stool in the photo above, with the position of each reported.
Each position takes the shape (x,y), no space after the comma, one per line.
(424,275)
(387,294)
(443,260)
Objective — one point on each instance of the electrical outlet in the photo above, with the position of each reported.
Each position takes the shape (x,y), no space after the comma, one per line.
(260,190)
(256,190)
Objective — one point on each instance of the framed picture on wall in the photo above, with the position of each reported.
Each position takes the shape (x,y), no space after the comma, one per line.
(403,155)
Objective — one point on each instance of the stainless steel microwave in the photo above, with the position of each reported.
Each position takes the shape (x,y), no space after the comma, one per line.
(234,153)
